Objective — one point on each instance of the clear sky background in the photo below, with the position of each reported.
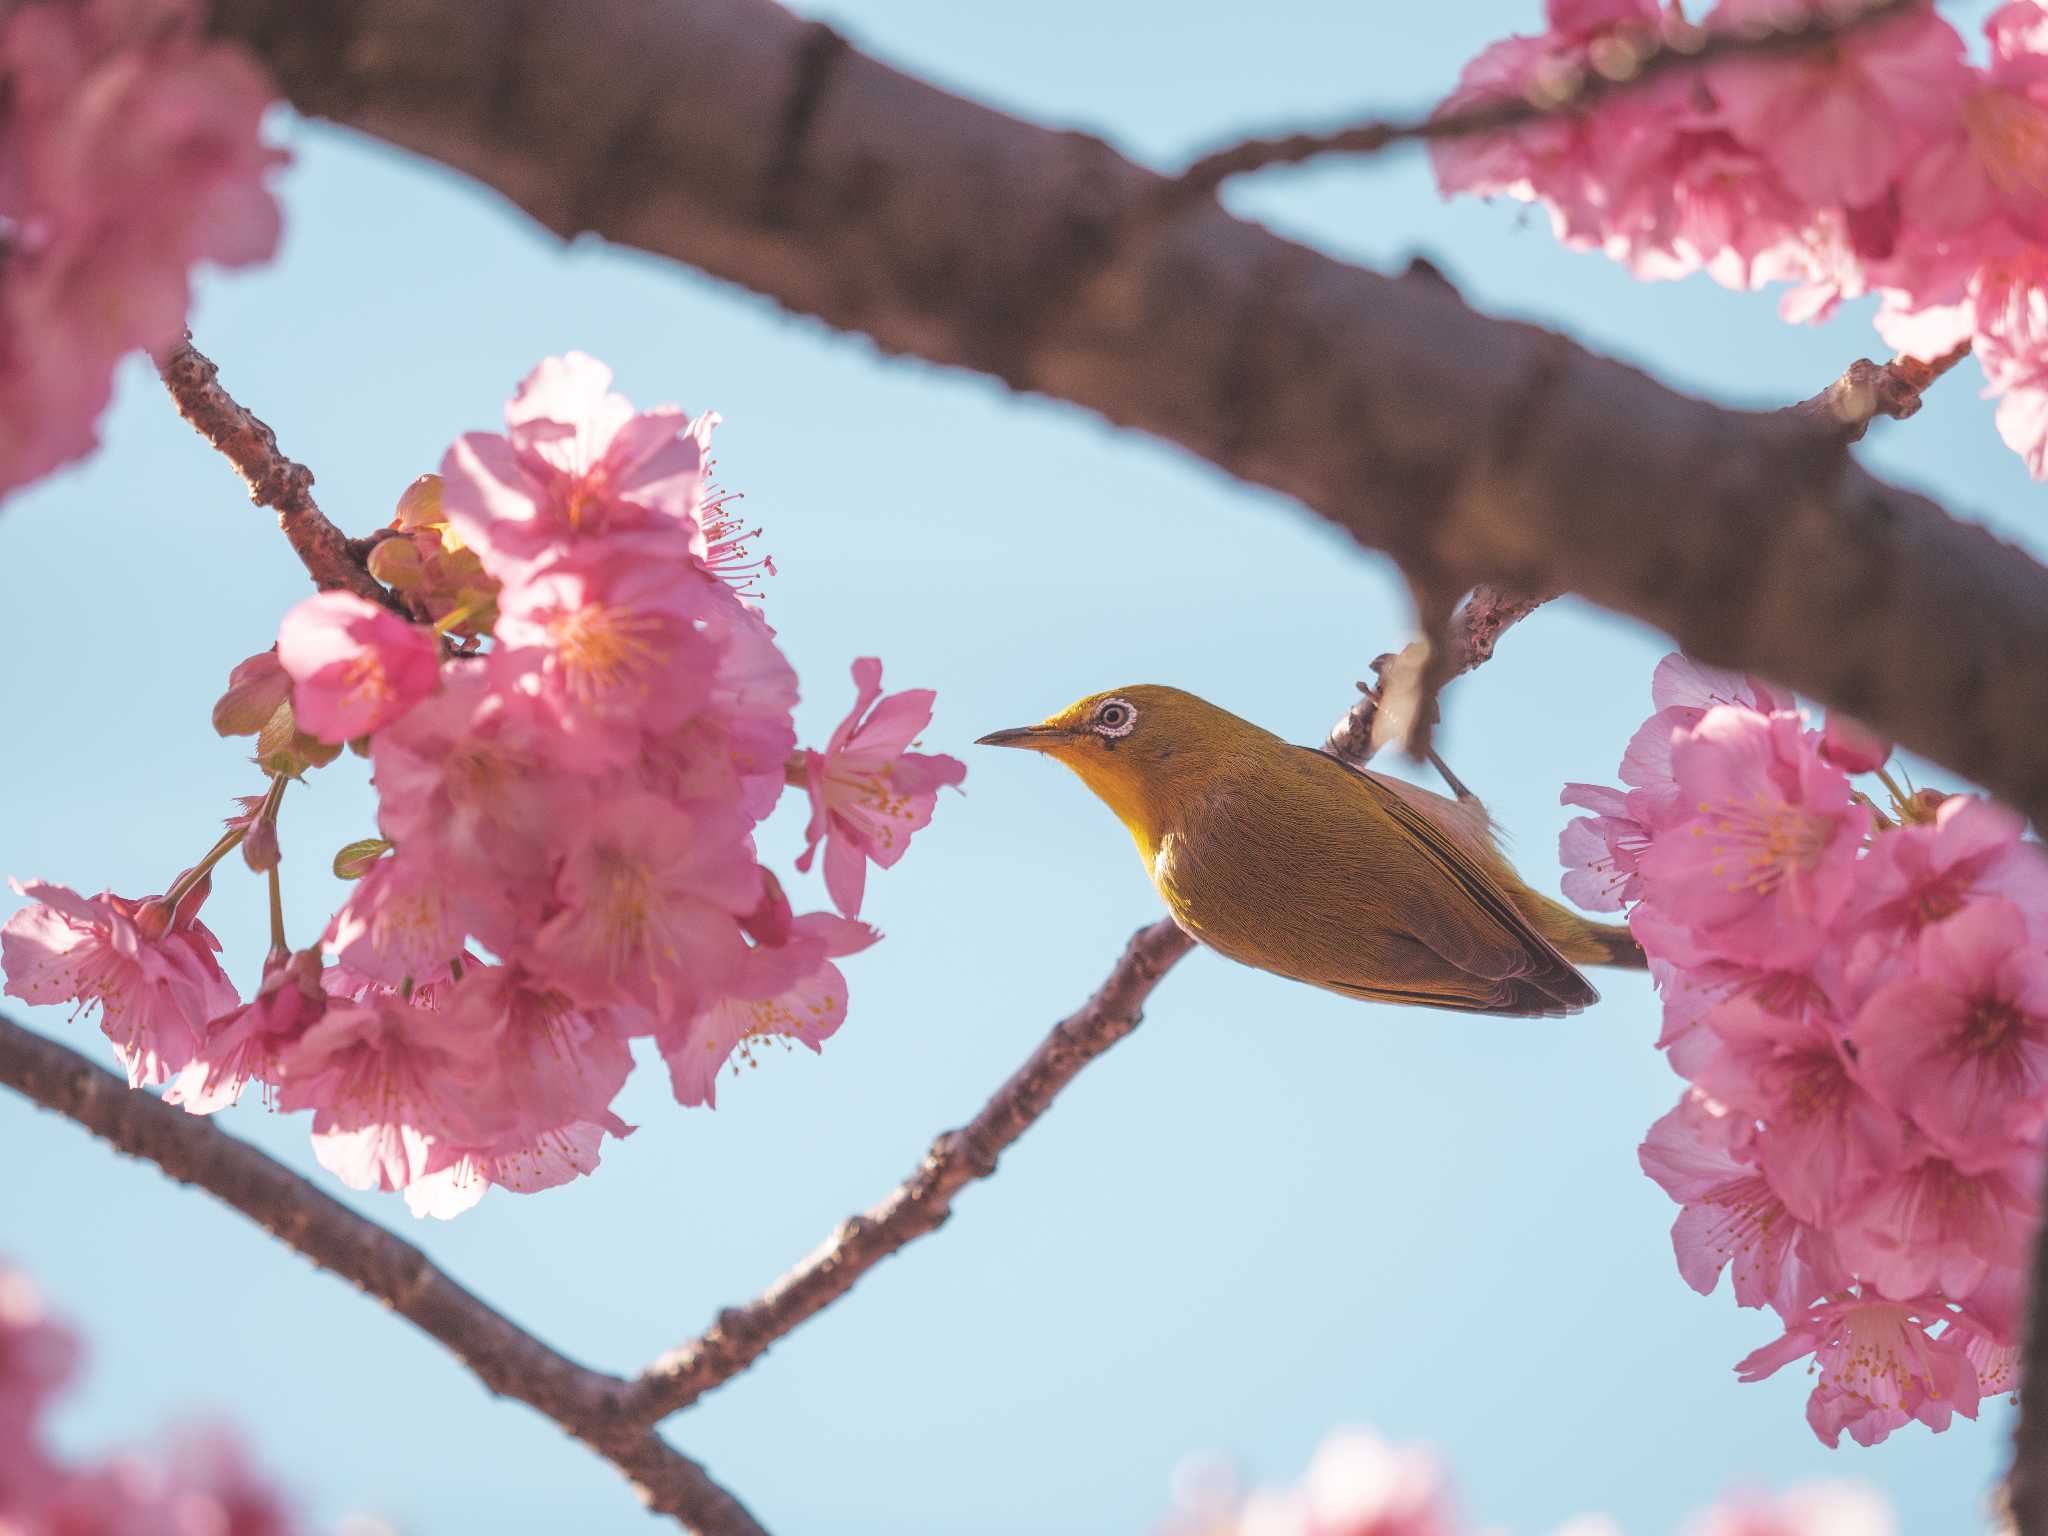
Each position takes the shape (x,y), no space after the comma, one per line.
(1268,1212)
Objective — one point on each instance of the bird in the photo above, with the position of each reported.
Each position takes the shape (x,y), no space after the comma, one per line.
(1288,859)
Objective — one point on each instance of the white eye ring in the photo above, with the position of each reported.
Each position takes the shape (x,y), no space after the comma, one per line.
(1115,718)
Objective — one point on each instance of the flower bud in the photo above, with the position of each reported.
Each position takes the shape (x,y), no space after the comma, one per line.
(396,563)
(281,747)
(1851,746)
(255,689)
(420,505)
(259,845)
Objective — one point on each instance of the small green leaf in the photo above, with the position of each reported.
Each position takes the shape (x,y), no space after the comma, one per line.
(354,861)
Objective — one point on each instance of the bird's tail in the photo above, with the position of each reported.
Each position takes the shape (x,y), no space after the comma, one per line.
(1578,940)
(1609,944)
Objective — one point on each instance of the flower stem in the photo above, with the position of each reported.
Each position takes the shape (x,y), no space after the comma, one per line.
(278,947)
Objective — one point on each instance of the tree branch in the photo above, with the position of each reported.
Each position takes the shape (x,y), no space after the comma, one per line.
(509,1361)
(273,479)
(1626,59)
(1867,390)
(732,135)
(922,1202)
(1402,705)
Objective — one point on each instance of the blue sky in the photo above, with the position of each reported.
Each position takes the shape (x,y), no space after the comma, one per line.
(1268,1212)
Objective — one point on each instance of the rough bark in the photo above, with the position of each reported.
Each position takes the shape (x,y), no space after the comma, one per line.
(764,149)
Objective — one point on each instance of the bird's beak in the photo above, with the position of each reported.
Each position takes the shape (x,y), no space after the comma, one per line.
(1033,738)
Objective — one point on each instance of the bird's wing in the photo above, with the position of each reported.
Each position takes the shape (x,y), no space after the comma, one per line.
(1514,969)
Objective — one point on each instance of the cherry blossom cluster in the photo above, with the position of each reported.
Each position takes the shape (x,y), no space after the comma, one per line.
(1359,1485)
(575,720)
(130,151)
(1858,1002)
(1883,163)
(199,1484)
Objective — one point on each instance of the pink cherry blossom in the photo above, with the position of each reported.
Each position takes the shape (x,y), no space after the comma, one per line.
(1993,163)
(1702,1156)
(1933,1229)
(1839,124)
(130,150)
(577,462)
(1820,1509)
(354,666)
(543,1160)
(1600,852)
(552,1071)
(649,908)
(1880,1366)
(1826,1141)
(1917,875)
(390,1083)
(398,924)
(242,1046)
(868,794)
(37,1357)
(1961,1043)
(153,978)
(1357,1485)
(466,789)
(1766,854)
(790,991)
(608,641)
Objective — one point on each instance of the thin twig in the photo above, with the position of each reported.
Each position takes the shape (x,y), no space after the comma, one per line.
(1867,390)
(273,479)
(1627,59)
(1389,710)
(509,1361)
(920,1204)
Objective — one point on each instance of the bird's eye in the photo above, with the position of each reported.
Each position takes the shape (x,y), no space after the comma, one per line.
(1115,717)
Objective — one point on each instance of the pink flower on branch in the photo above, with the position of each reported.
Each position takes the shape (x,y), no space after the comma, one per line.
(354,666)
(130,151)
(576,463)
(243,1046)
(868,793)
(649,909)
(1880,1366)
(609,642)
(1764,856)
(790,991)
(1961,1043)
(1840,123)
(1703,1157)
(152,976)
(390,1081)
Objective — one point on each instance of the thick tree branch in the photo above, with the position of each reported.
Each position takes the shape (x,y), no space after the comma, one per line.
(1624,60)
(509,1361)
(922,1202)
(273,479)
(734,136)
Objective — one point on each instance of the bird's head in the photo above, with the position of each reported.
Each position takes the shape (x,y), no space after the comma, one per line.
(1141,749)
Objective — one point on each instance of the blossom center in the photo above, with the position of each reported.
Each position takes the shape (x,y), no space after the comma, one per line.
(1762,843)
(603,647)
(364,682)
(2010,135)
